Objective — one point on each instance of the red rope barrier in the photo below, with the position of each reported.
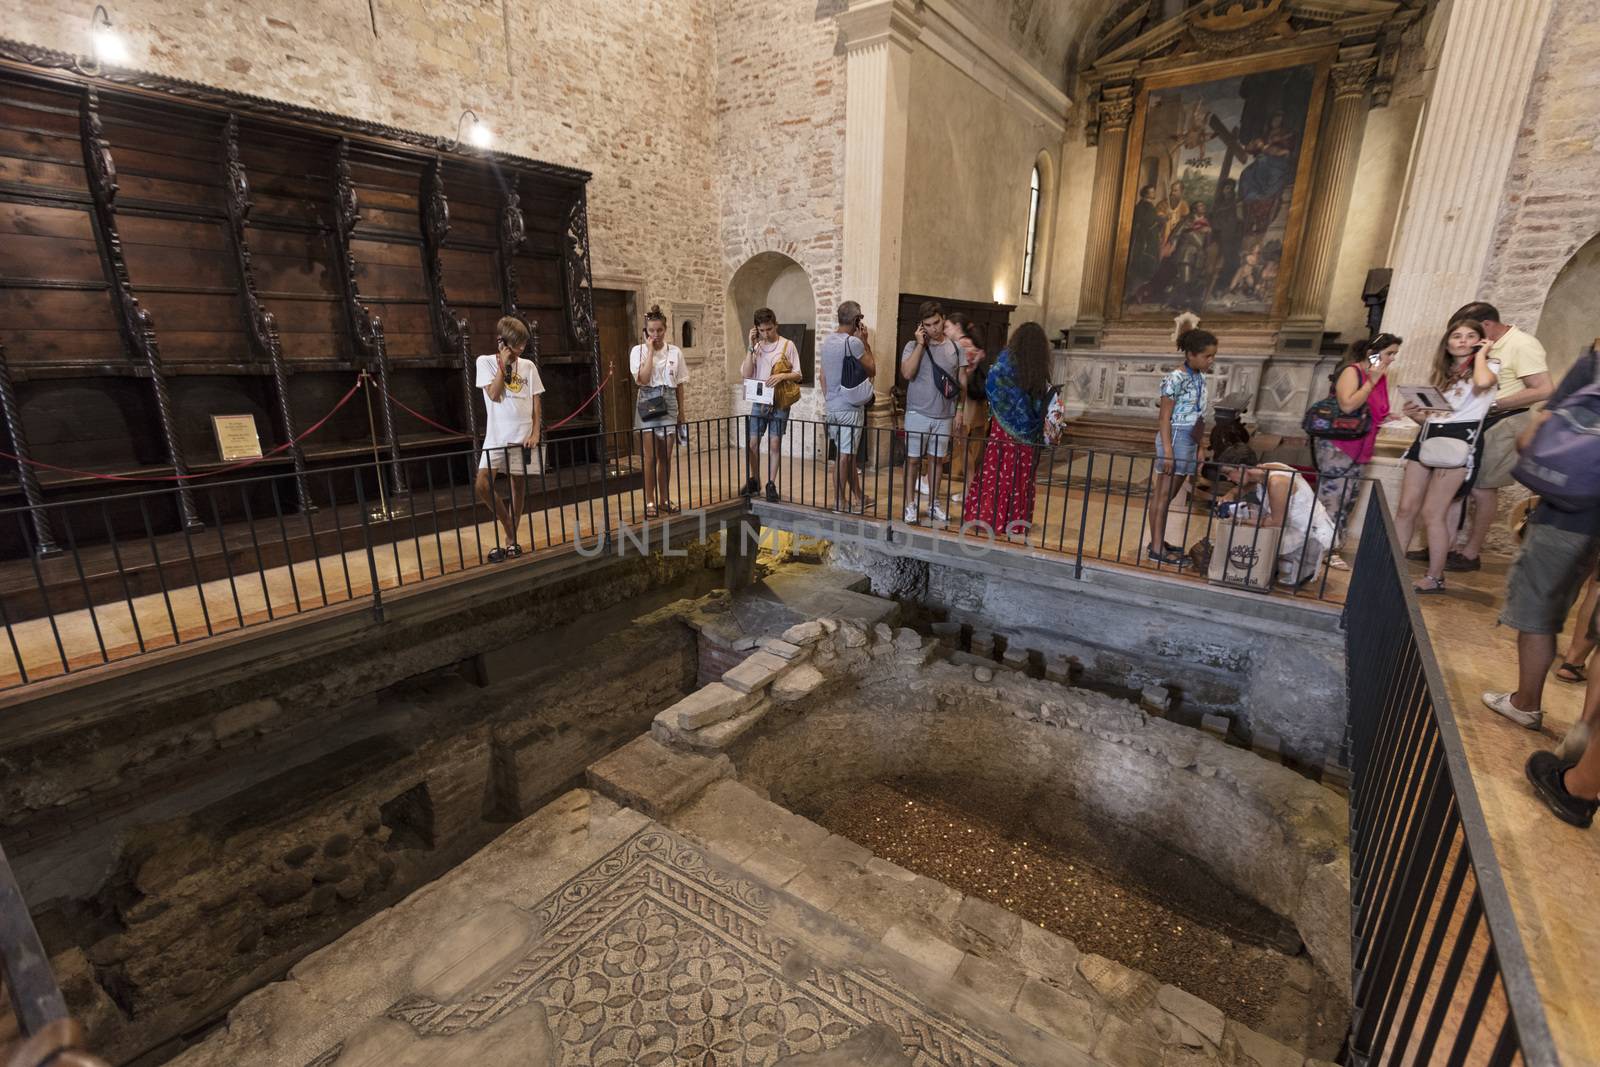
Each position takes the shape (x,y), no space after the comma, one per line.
(401,404)
(251,462)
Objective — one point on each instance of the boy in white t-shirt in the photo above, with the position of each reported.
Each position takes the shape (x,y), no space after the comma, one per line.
(511,389)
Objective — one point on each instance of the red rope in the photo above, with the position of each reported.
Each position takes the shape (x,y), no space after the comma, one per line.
(401,404)
(189,477)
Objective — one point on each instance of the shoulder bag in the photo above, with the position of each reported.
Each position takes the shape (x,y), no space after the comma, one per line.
(947,384)
(785,394)
(1326,418)
(852,372)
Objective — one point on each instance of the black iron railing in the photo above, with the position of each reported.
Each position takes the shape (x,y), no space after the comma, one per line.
(126,574)
(1440,975)
(1081,503)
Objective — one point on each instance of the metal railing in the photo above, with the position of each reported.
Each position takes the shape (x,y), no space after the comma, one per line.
(130,578)
(1439,975)
(1081,503)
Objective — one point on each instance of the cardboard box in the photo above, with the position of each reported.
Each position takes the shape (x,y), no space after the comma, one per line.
(1244,555)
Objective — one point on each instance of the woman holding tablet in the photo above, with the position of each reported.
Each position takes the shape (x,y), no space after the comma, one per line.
(1439,462)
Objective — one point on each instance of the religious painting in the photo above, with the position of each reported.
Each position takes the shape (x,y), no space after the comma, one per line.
(1217,174)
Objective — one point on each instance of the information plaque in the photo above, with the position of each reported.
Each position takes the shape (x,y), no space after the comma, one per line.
(236,437)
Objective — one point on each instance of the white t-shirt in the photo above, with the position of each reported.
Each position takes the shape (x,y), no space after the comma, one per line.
(767,357)
(511,417)
(669,369)
(1468,404)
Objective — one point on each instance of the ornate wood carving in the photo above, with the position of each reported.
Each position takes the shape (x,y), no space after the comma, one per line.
(366,329)
(44,539)
(580,298)
(244,103)
(137,327)
(449,328)
(261,327)
(513,232)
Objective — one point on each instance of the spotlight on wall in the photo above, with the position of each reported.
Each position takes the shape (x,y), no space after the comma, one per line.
(477,134)
(108,44)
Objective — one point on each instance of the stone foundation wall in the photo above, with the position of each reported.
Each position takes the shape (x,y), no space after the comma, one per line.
(1213,659)
(205,908)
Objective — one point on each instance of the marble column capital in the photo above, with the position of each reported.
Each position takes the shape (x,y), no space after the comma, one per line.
(871,22)
(1352,80)
(1115,114)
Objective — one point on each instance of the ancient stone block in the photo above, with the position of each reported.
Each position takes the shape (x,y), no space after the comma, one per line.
(917,944)
(1155,699)
(780,648)
(804,633)
(983,643)
(983,674)
(1251,1049)
(1057,1012)
(801,681)
(988,926)
(1206,1019)
(1015,658)
(276,890)
(1058,669)
(719,736)
(852,634)
(709,704)
(907,639)
(756,672)
(1046,954)
(1215,724)
(990,980)
(647,776)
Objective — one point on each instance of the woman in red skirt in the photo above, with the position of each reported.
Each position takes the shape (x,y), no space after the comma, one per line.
(1001,495)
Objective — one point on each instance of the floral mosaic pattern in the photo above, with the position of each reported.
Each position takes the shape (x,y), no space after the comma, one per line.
(653,958)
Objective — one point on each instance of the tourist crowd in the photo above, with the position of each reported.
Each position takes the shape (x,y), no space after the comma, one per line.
(990,417)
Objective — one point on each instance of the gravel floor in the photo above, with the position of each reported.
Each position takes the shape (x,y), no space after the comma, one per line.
(1128,900)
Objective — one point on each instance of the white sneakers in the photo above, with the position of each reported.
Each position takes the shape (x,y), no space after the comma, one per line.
(1500,704)
(936,513)
(912,514)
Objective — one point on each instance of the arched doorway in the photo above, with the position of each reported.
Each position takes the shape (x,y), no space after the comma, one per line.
(774,280)
(1568,325)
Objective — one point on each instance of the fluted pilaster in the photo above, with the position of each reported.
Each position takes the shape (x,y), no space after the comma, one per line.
(1116,111)
(878,37)
(1337,156)
(1459,166)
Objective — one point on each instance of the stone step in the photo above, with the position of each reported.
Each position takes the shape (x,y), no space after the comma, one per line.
(651,778)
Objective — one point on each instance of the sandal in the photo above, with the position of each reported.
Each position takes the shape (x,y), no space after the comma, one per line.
(1428,584)
(1572,672)
(650,511)
(1337,562)
(670,508)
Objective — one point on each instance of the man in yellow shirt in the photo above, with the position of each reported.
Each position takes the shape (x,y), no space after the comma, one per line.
(1524,382)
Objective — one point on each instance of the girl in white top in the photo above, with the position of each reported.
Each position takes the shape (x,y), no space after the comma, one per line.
(658,371)
(1467,377)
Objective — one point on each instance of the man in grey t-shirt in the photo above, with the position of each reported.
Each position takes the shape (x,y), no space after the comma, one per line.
(928,362)
(846,408)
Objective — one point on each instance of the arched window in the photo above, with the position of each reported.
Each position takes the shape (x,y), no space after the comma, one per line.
(1033,233)
(688,334)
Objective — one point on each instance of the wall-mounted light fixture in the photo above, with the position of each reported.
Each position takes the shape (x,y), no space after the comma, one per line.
(477,134)
(108,44)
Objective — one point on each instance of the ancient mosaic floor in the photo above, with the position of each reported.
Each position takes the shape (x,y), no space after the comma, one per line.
(646,952)
(651,956)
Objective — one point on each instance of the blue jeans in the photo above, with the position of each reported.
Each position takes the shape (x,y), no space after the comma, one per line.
(766,419)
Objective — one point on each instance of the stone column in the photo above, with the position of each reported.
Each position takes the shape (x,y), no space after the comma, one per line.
(878,36)
(1328,205)
(1458,169)
(1116,110)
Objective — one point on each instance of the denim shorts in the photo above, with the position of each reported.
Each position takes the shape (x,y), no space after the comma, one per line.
(1549,574)
(926,436)
(766,419)
(1186,452)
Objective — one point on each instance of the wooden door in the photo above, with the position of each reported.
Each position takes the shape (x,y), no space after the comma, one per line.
(615,324)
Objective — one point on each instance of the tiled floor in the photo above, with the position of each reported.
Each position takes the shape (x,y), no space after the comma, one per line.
(1551,870)
(1106,522)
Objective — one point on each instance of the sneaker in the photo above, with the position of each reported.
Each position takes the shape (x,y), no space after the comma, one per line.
(1500,704)
(936,513)
(497,555)
(772,493)
(1455,561)
(1545,771)
(513,551)
(1573,745)
(911,515)
(751,488)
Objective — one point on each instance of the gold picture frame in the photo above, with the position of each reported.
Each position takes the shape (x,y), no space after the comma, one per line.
(1319,60)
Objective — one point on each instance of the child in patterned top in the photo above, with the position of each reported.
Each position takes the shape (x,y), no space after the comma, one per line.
(1179,429)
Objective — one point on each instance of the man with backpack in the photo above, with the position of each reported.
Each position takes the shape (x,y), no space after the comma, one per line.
(1559,552)
(845,371)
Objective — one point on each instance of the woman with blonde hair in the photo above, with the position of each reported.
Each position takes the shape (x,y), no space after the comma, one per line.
(1439,463)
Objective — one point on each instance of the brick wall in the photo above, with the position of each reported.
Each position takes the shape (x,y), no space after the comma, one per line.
(1551,208)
